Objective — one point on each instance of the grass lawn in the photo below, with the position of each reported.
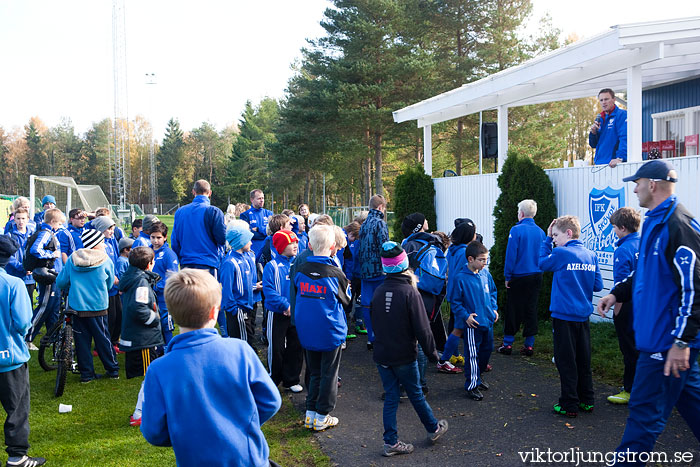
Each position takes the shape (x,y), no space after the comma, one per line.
(97,431)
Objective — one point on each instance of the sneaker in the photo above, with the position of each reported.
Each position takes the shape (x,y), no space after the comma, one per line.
(94,353)
(399,448)
(585,408)
(488,368)
(31,346)
(370,346)
(116,350)
(343,346)
(622,398)
(360,329)
(558,409)
(527,351)
(134,421)
(113,376)
(457,360)
(426,390)
(327,421)
(297,388)
(309,419)
(27,461)
(505,349)
(475,394)
(484,385)
(441,430)
(351,336)
(447,367)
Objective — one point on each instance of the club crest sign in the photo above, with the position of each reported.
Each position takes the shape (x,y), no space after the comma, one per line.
(598,234)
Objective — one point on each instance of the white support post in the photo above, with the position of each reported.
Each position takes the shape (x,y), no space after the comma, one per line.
(69,195)
(428,150)
(634,113)
(481,155)
(32,196)
(502,135)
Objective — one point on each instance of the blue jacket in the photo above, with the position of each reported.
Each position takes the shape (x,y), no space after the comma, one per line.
(625,256)
(45,246)
(142,240)
(166,265)
(576,277)
(238,278)
(15,267)
(11,225)
(69,238)
(321,291)
(198,232)
(666,305)
(276,284)
(112,250)
(475,293)
(522,252)
(257,219)
(349,259)
(611,140)
(15,321)
(39,217)
(207,397)
(456,260)
(88,275)
(373,234)
(121,266)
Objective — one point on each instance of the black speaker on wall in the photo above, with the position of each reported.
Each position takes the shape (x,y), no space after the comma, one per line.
(489,140)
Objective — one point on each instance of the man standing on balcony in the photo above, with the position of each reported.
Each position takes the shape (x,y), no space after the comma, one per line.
(608,134)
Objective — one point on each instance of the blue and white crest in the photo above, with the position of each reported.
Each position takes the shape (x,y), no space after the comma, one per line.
(598,234)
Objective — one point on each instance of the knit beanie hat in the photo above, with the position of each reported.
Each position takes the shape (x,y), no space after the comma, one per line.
(464,231)
(412,223)
(48,199)
(238,236)
(102,223)
(125,242)
(8,247)
(394,259)
(148,222)
(282,238)
(91,238)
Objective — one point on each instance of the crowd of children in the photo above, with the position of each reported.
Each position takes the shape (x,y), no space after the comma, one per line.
(129,292)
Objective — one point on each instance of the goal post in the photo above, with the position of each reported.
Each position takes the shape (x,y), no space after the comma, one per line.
(68,194)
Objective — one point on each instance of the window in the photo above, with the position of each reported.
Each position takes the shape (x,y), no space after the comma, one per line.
(675,125)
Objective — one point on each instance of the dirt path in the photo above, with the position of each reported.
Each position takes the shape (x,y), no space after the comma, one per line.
(515,415)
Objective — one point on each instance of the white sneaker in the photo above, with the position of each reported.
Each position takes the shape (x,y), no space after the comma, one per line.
(321,422)
(343,346)
(309,419)
(297,388)
(31,346)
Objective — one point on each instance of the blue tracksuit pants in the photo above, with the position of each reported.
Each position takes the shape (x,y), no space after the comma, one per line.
(478,345)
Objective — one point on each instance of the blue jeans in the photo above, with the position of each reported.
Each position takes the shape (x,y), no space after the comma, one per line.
(85,330)
(422,365)
(653,397)
(368,288)
(406,376)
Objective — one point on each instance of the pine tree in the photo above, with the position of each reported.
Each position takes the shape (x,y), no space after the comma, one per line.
(37,162)
(171,183)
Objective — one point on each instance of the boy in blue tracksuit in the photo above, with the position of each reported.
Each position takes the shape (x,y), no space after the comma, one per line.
(321,291)
(20,231)
(576,277)
(475,307)
(122,265)
(15,322)
(166,265)
(207,396)
(69,237)
(625,222)
(238,276)
(284,353)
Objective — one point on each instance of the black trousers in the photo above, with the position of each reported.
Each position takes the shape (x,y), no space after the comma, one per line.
(437,326)
(30,290)
(523,293)
(323,383)
(238,325)
(14,396)
(284,353)
(114,318)
(625,337)
(572,354)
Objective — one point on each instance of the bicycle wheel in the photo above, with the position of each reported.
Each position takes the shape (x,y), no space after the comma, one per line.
(64,359)
(49,344)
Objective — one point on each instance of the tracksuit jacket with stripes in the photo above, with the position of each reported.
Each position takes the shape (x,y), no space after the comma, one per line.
(15,267)
(238,277)
(276,284)
(474,293)
(666,305)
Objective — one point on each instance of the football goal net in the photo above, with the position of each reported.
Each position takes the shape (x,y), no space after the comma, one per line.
(69,195)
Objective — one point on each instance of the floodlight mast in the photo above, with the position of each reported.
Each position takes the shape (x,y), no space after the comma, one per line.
(121,118)
(152,179)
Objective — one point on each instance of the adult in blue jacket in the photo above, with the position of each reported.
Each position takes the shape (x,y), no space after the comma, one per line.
(666,311)
(608,134)
(523,279)
(47,202)
(199,231)
(15,321)
(257,218)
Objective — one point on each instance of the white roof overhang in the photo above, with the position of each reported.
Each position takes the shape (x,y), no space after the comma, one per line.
(666,51)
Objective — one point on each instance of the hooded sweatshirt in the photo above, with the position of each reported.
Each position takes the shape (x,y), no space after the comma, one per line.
(88,275)
(140,318)
(15,321)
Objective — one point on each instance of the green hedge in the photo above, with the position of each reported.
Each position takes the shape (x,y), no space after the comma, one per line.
(414,192)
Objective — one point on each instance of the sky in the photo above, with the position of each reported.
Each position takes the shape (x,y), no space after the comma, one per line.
(208,57)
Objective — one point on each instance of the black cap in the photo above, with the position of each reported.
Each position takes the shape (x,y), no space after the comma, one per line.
(412,223)
(464,231)
(657,169)
(8,247)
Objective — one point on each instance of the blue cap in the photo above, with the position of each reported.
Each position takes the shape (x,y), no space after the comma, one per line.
(238,236)
(48,199)
(657,169)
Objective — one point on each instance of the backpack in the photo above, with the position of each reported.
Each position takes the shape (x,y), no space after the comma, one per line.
(430,266)
(31,262)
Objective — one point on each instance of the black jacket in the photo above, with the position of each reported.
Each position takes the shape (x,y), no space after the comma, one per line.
(140,317)
(398,320)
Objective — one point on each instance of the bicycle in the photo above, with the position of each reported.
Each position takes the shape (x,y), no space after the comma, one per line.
(58,346)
